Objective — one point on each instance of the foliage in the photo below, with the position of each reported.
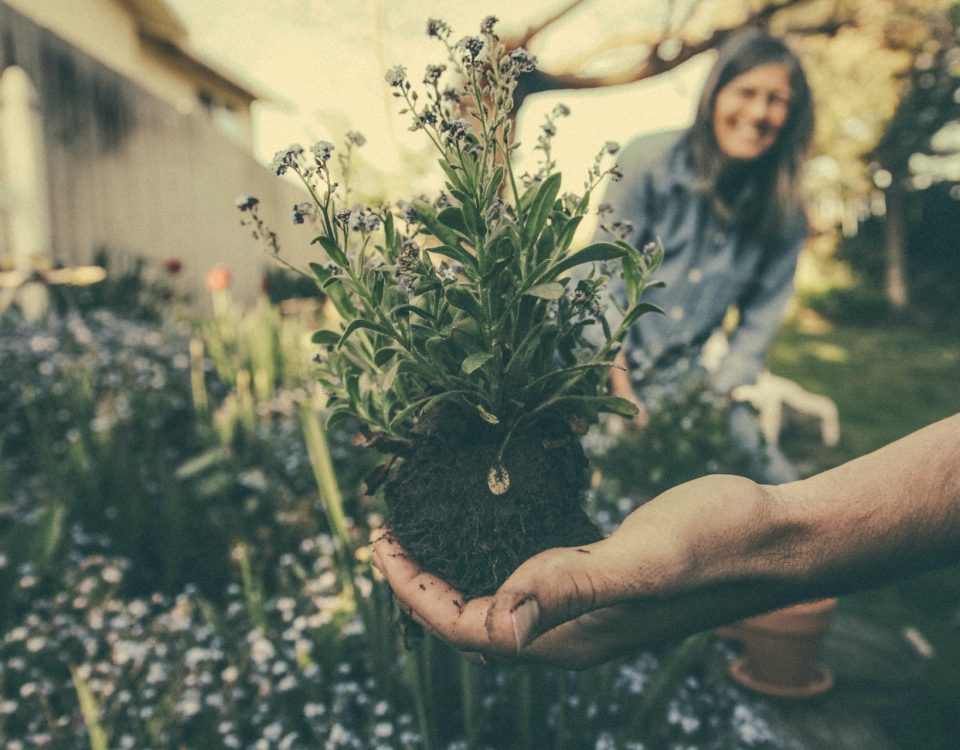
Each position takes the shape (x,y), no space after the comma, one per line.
(686,437)
(134,288)
(175,446)
(181,671)
(497,325)
(280,284)
(855,305)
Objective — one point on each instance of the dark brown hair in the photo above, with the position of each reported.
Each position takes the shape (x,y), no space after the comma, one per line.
(774,196)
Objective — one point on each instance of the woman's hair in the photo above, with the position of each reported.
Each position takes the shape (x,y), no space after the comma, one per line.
(775,193)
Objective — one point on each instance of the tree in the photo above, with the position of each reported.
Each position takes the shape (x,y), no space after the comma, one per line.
(882,72)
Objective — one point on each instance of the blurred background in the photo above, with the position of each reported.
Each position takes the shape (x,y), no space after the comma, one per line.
(160,447)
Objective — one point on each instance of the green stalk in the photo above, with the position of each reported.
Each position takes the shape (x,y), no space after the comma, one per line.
(330,498)
(252,592)
(417,667)
(198,388)
(89,709)
(472,706)
(675,666)
(560,742)
(525,712)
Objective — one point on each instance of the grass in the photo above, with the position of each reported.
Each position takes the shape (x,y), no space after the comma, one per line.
(888,382)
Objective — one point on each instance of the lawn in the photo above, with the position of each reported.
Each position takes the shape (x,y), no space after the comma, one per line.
(888,382)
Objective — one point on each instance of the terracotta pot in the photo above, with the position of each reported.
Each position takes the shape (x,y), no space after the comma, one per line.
(781,650)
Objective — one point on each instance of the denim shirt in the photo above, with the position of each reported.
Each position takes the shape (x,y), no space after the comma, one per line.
(708,265)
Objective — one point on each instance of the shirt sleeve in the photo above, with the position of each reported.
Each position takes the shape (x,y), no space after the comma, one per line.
(761,309)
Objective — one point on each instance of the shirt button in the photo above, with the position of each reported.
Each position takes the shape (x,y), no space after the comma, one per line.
(676,312)
(694,275)
(719,238)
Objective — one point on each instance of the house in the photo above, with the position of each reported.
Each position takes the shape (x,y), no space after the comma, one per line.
(115,133)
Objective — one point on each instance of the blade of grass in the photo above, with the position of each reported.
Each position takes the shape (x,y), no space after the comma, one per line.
(89,709)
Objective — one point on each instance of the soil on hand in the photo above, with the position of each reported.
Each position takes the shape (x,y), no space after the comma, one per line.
(441,510)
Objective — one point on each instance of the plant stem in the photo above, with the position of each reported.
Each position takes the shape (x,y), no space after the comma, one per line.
(472,705)
(664,681)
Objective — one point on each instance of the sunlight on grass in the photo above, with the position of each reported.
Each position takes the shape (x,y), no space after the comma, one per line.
(830,352)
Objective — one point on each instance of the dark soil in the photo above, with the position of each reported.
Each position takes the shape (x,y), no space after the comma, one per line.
(441,510)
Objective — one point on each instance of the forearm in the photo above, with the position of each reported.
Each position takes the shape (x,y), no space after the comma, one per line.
(720,548)
(886,515)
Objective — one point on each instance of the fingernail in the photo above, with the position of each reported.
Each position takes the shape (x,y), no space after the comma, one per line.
(524,618)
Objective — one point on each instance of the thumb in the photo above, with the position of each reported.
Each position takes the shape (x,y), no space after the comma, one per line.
(554,587)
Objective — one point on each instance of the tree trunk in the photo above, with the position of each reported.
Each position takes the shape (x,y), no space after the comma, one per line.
(894,242)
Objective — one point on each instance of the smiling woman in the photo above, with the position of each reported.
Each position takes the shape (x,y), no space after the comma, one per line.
(724,198)
(751,110)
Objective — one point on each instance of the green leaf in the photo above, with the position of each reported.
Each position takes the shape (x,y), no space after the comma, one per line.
(427,215)
(550,290)
(437,347)
(632,278)
(545,244)
(337,416)
(565,237)
(382,356)
(460,195)
(199,464)
(475,362)
(333,250)
(493,187)
(540,208)
(457,253)
(473,220)
(365,324)
(405,310)
(590,254)
(644,307)
(611,404)
(339,297)
(459,296)
(389,376)
(451,172)
(325,337)
(454,218)
(567,372)
(388,230)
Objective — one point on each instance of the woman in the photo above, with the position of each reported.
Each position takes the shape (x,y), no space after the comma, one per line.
(724,198)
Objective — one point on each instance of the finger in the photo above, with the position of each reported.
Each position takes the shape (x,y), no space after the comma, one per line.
(554,587)
(431,601)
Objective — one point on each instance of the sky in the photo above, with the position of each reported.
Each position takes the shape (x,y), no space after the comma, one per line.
(324,62)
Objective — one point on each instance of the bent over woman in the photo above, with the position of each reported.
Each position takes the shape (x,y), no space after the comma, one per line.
(724,197)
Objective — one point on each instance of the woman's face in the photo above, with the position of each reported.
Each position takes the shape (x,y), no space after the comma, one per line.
(751,110)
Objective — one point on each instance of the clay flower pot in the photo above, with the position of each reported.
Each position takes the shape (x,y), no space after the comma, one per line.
(781,650)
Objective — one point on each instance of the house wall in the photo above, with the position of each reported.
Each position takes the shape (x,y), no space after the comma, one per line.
(128,172)
(106,30)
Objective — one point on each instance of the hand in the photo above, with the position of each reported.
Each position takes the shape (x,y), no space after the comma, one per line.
(576,607)
(507,627)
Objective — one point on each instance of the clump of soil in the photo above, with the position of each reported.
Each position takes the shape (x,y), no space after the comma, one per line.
(441,510)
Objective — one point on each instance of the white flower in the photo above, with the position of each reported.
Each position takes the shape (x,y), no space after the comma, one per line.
(396,75)
(273,731)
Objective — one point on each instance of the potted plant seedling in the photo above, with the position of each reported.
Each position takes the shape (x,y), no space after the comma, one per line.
(463,349)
